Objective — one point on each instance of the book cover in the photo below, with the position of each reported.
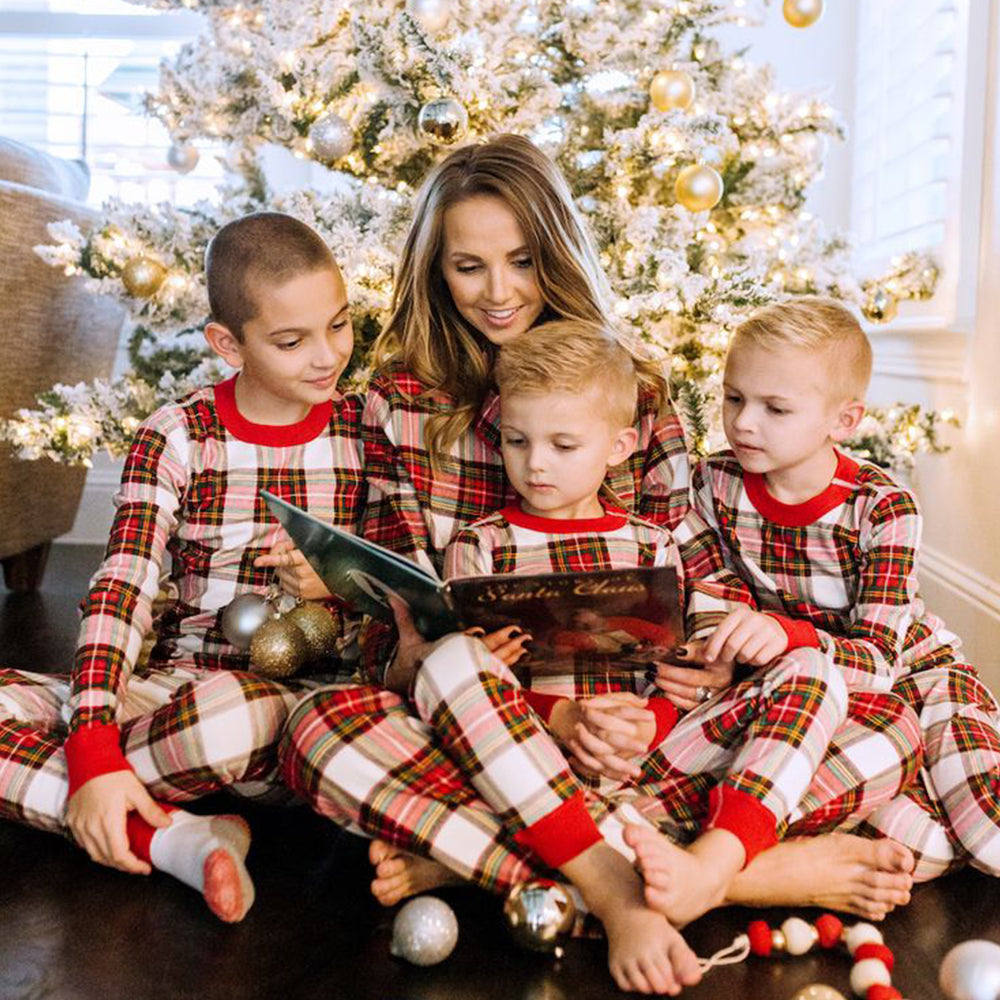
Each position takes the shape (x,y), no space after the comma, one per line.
(577,621)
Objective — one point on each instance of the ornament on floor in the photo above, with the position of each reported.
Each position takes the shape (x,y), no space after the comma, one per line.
(802,13)
(698,187)
(425,931)
(433,15)
(182,157)
(539,914)
(671,90)
(971,971)
(142,276)
(331,137)
(818,991)
(879,306)
(444,121)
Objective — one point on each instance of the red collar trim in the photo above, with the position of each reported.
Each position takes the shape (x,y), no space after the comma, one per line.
(275,435)
(612,518)
(799,515)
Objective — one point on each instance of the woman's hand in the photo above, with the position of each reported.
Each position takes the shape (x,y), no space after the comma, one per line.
(688,687)
(410,652)
(505,643)
(294,573)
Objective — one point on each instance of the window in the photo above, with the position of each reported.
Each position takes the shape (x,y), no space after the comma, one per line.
(918,113)
(72,77)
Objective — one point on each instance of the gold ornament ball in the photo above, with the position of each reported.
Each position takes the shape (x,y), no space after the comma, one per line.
(142,276)
(672,90)
(698,187)
(443,121)
(880,306)
(539,912)
(278,648)
(802,13)
(319,628)
(817,991)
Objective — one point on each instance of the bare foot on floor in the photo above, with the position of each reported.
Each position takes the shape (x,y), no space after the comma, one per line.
(399,874)
(836,871)
(681,883)
(646,954)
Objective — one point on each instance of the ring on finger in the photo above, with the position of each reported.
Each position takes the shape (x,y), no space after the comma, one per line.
(702,693)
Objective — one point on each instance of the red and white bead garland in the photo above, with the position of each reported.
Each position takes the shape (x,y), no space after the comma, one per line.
(871,976)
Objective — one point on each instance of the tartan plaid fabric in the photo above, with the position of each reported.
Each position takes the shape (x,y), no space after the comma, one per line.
(186,730)
(845,562)
(191,489)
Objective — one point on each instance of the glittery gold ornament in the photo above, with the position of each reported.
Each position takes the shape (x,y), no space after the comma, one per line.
(880,306)
(698,187)
(539,912)
(802,13)
(142,276)
(319,628)
(443,121)
(817,991)
(671,90)
(278,648)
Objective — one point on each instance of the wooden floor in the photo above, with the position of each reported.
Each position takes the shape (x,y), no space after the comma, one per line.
(71,930)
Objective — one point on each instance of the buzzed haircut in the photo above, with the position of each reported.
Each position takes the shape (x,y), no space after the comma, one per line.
(818,324)
(574,357)
(263,247)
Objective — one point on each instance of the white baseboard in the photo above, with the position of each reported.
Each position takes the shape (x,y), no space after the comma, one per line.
(972,587)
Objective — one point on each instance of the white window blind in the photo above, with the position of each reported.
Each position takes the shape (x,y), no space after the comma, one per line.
(72,77)
(916,154)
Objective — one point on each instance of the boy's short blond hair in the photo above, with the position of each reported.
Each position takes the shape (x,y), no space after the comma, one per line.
(822,325)
(571,356)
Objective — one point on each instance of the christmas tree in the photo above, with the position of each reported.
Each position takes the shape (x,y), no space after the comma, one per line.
(691,168)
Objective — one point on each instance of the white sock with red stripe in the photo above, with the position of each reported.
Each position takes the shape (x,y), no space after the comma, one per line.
(204,852)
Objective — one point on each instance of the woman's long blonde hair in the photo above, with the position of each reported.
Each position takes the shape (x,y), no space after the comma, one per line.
(425,331)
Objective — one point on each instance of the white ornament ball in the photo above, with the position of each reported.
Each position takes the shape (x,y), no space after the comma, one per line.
(331,137)
(799,935)
(867,973)
(818,991)
(443,121)
(182,157)
(802,13)
(432,14)
(861,934)
(971,971)
(243,616)
(425,931)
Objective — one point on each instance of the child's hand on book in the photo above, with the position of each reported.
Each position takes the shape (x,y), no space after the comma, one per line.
(505,643)
(747,636)
(603,733)
(294,573)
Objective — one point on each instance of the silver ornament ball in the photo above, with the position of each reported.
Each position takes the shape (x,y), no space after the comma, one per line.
(182,157)
(539,913)
(971,971)
(331,137)
(424,932)
(443,121)
(243,616)
(432,14)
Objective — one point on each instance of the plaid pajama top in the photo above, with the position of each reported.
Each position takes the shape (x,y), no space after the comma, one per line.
(190,489)
(839,572)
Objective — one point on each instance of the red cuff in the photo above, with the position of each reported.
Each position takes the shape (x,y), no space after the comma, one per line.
(542,704)
(743,816)
(561,835)
(91,752)
(666,718)
(800,633)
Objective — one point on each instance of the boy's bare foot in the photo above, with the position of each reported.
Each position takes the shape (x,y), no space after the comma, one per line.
(399,874)
(836,871)
(683,883)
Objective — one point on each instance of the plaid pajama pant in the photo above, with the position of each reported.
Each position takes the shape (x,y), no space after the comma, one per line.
(186,731)
(952,814)
(459,779)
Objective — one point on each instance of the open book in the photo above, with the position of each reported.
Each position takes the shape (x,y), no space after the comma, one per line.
(577,621)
